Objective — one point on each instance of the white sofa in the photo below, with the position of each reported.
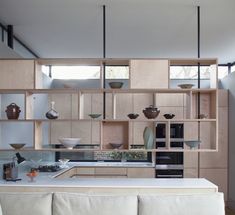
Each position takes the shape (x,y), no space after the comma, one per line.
(82,204)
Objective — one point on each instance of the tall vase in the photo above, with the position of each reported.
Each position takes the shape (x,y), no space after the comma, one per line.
(52,113)
(148,138)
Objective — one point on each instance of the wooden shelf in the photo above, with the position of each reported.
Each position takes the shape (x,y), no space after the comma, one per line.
(114,129)
(100,90)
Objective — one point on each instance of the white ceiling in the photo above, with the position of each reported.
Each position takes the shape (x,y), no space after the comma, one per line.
(135,28)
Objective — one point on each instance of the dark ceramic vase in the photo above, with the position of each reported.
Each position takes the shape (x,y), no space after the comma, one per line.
(151,112)
(52,113)
(13,111)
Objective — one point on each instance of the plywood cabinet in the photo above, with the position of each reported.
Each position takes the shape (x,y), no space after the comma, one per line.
(141,172)
(17,74)
(149,74)
(218,177)
(108,172)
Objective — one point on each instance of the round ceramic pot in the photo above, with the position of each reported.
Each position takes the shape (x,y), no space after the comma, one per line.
(13,111)
(151,112)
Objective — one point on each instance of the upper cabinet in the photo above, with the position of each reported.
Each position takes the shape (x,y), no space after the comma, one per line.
(17,74)
(149,74)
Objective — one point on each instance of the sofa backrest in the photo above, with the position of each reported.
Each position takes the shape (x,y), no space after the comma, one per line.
(26,203)
(83,204)
(72,203)
(195,204)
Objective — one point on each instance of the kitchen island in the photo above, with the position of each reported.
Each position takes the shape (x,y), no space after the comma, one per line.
(50,182)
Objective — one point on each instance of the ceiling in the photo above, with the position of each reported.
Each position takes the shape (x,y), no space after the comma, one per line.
(134,28)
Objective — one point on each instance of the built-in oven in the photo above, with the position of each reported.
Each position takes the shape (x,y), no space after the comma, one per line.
(169,164)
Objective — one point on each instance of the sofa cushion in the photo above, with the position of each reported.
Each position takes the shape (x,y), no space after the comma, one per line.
(26,203)
(72,204)
(195,204)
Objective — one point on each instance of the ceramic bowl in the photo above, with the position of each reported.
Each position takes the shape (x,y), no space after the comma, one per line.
(115,145)
(169,116)
(133,115)
(69,143)
(17,145)
(185,86)
(94,115)
(116,85)
(192,143)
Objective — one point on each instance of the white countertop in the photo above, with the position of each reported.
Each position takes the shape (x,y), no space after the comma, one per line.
(199,183)
(49,180)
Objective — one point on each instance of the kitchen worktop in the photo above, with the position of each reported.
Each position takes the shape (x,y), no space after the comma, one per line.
(50,182)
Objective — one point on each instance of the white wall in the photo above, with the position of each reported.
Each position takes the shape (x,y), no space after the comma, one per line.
(6,52)
(228,83)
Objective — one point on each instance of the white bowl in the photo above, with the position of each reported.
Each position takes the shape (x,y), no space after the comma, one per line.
(69,143)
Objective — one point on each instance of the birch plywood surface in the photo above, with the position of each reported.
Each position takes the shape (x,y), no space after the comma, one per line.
(149,74)
(17,74)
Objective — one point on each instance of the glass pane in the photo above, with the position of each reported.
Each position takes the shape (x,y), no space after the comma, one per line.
(75,72)
(222,71)
(189,72)
(117,72)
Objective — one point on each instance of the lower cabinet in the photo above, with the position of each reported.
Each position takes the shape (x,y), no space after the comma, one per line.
(107,172)
(141,172)
(191,173)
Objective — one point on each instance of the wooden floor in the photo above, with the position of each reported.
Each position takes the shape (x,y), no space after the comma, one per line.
(229,211)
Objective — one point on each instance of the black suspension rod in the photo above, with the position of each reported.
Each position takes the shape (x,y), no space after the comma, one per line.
(104,65)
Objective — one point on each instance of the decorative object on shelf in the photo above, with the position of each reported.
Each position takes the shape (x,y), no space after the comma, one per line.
(52,113)
(115,145)
(137,146)
(151,112)
(169,115)
(192,143)
(203,116)
(148,138)
(186,86)
(94,115)
(32,175)
(133,115)
(13,111)
(116,85)
(17,146)
(64,162)
(69,143)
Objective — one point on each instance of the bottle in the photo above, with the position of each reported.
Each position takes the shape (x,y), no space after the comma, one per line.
(52,113)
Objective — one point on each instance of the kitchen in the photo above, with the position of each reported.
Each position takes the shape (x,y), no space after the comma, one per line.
(101,124)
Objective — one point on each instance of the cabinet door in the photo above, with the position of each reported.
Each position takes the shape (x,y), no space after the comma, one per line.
(191,173)
(110,171)
(149,74)
(85,172)
(68,174)
(141,173)
(17,74)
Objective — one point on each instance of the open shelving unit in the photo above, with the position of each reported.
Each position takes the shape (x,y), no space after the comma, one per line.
(117,127)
